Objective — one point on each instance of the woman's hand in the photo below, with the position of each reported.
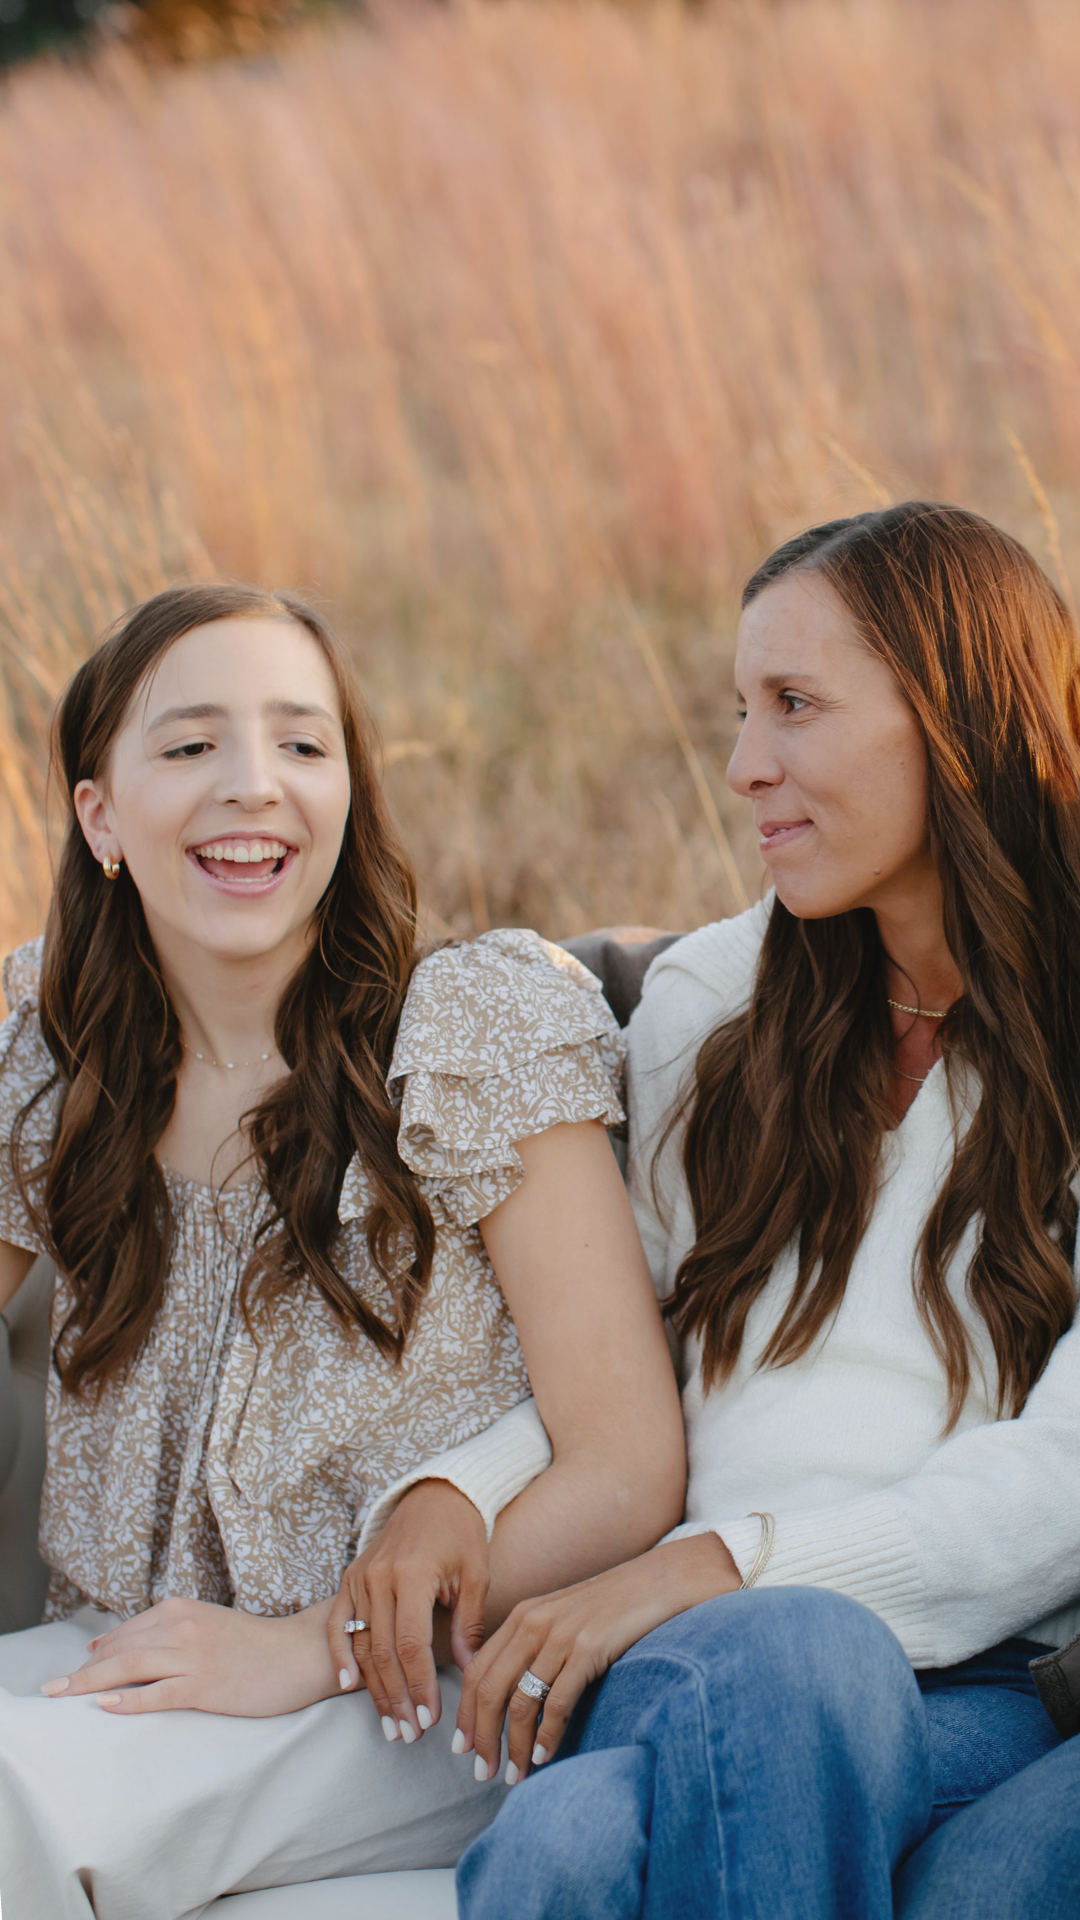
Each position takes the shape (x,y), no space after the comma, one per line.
(186,1653)
(570,1638)
(432,1552)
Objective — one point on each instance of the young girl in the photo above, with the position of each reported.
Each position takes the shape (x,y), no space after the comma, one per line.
(295,1191)
(855,1138)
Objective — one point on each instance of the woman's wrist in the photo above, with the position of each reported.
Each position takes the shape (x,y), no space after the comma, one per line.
(698,1566)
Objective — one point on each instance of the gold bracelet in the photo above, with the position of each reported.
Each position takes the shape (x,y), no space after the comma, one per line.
(765,1547)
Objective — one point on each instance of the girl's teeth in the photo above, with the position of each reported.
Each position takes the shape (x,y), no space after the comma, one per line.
(244,852)
(241,856)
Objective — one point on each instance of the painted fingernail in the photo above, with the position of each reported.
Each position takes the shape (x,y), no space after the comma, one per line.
(408,1731)
(480,1768)
(389,1727)
(108,1699)
(511,1776)
(457,1744)
(344,1679)
(423,1714)
(540,1754)
(55,1686)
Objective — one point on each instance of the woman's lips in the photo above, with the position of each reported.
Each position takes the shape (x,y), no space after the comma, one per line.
(781,835)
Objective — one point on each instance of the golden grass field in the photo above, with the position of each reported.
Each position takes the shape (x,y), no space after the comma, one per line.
(516,333)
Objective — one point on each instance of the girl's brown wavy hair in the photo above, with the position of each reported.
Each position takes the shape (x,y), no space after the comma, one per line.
(790,1100)
(101,1198)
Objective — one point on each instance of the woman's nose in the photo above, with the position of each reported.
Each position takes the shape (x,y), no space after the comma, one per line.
(752,765)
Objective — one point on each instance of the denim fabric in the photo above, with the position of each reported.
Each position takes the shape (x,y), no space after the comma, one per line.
(764,1755)
(1013,1855)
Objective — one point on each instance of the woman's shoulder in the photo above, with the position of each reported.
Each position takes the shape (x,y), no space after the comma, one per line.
(485,1006)
(700,981)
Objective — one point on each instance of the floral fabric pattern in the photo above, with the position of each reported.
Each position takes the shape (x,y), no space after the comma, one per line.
(239,1471)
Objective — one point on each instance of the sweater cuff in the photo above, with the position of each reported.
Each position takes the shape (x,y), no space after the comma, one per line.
(491,1470)
(860,1548)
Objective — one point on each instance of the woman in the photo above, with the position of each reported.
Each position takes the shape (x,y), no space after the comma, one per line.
(295,1191)
(855,1135)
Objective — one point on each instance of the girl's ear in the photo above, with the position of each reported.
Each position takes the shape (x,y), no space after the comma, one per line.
(94,815)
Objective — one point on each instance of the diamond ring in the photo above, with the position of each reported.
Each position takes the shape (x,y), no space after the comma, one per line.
(532,1686)
(355,1626)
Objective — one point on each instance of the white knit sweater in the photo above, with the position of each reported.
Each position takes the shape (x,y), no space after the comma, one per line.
(956,1543)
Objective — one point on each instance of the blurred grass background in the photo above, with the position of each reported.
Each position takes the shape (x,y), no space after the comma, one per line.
(516,333)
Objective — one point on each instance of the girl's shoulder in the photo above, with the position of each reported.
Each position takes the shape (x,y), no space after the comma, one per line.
(501,1038)
(488,1005)
(26,1065)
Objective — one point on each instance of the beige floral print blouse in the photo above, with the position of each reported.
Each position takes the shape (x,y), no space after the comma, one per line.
(242,1473)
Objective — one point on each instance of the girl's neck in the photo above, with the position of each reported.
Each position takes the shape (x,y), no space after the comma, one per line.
(227,1007)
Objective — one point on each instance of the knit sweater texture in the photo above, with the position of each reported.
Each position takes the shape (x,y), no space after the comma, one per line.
(956,1540)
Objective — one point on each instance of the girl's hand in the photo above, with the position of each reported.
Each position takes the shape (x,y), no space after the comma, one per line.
(432,1552)
(186,1653)
(569,1639)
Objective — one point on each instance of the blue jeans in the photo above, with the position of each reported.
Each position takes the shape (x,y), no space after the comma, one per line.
(768,1754)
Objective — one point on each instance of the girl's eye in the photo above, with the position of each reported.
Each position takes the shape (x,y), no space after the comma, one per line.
(191,750)
(306,748)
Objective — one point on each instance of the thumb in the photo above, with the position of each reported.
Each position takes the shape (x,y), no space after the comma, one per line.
(467,1620)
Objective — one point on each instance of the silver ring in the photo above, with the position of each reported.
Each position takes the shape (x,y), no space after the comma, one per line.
(355,1626)
(532,1686)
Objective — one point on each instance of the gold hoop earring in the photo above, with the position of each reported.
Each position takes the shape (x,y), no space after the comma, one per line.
(110,868)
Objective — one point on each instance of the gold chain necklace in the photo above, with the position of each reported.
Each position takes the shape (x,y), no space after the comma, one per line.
(921,1013)
(227,1066)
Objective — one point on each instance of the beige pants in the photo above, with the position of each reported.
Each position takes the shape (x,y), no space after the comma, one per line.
(152,1818)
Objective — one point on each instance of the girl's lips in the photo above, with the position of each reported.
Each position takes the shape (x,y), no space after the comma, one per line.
(253,880)
(782,834)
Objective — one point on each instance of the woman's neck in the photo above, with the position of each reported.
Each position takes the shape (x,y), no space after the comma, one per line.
(920,969)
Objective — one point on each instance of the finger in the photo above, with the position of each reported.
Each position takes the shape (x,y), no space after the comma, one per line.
(350,1604)
(557,1711)
(160,1697)
(384,1655)
(373,1682)
(496,1689)
(118,1670)
(467,1619)
(414,1630)
(522,1720)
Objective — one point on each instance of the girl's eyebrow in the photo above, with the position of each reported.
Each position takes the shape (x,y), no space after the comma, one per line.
(208,710)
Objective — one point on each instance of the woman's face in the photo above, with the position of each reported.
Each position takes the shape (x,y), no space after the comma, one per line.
(830,754)
(227,789)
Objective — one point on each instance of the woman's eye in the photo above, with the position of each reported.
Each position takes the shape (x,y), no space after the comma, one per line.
(794,702)
(740,713)
(306,749)
(191,750)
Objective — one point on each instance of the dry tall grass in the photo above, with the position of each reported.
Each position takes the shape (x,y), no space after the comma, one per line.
(518,332)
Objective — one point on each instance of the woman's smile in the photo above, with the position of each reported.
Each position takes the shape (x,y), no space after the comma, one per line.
(780,833)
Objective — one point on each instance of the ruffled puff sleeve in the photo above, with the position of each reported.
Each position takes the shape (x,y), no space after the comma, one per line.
(500,1038)
(26,1069)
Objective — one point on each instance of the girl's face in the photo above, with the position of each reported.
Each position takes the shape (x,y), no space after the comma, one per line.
(830,754)
(227,789)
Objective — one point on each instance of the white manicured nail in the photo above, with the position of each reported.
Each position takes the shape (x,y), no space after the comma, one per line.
(457,1744)
(480,1767)
(389,1727)
(540,1754)
(344,1679)
(511,1776)
(408,1731)
(423,1714)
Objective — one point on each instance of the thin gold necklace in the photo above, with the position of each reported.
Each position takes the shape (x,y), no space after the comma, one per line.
(227,1066)
(921,1013)
(913,1077)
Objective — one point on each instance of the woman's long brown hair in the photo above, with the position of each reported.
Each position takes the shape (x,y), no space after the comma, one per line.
(107,1020)
(791,1099)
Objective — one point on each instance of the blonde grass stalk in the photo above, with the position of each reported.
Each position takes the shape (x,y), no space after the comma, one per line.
(517,333)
